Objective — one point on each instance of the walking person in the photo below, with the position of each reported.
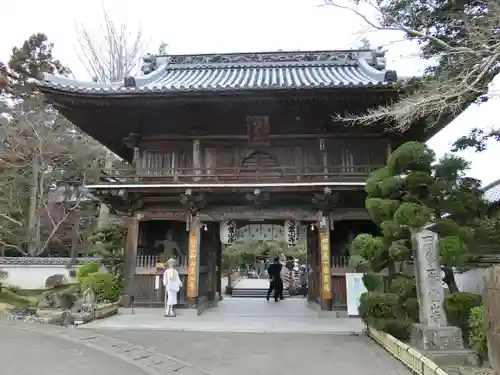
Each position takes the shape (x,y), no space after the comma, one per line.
(304,276)
(173,284)
(275,284)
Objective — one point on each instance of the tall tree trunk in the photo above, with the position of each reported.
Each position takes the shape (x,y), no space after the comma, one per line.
(449,279)
(75,236)
(33,217)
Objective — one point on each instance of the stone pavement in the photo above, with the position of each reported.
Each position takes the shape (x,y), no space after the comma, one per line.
(32,348)
(256,353)
(31,352)
(242,336)
(245,315)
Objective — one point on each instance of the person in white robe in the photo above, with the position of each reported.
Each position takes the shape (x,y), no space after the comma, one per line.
(172,283)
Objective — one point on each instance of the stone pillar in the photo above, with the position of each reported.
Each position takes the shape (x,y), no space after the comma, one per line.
(491,299)
(433,334)
(130,259)
(325,297)
(193,263)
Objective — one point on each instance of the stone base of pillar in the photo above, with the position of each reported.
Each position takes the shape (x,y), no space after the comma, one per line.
(192,302)
(442,345)
(326,304)
(126,301)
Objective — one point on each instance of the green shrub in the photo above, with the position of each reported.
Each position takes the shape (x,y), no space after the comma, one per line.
(477,332)
(105,286)
(372,281)
(457,307)
(86,269)
(410,307)
(404,286)
(399,328)
(378,305)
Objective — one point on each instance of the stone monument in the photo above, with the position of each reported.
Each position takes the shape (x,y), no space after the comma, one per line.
(442,343)
(491,299)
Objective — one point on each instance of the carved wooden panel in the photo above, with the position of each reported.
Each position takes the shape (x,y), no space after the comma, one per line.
(258,129)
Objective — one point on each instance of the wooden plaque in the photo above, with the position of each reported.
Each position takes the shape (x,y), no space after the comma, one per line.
(258,129)
(192,279)
(326,274)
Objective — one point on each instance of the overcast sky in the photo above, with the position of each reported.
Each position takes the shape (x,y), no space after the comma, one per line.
(201,26)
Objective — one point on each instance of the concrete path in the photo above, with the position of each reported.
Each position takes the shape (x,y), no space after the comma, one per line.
(27,352)
(269,354)
(42,349)
(243,315)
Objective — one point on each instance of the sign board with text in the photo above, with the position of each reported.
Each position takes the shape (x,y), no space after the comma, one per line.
(326,273)
(355,288)
(192,279)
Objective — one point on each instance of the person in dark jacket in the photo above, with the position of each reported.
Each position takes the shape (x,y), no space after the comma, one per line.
(275,283)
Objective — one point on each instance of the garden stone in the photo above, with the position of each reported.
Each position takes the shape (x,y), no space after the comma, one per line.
(55,280)
(67,319)
(442,343)
(491,298)
(78,305)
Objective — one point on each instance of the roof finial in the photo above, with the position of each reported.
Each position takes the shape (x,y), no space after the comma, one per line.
(365,44)
(162,50)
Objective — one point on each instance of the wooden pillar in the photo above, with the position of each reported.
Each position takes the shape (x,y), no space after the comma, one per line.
(196,159)
(325,298)
(218,263)
(130,259)
(312,260)
(193,263)
(324,155)
(388,150)
(215,266)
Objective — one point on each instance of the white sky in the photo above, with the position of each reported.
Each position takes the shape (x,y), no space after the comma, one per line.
(205,26)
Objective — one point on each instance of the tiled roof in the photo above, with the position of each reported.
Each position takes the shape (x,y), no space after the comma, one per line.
(249,71)
(492,192)
(43,261)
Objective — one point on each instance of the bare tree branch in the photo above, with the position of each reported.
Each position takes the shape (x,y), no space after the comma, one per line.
(465,77)
(112,55)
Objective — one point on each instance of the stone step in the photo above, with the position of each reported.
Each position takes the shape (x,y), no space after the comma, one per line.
(254,293)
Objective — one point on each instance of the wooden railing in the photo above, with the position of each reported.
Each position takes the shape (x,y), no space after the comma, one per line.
(235,175)
(150,261)
(340,261)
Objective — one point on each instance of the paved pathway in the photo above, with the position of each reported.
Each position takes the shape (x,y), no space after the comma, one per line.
(147,343)
(243,315)
(256,354)
(27,352)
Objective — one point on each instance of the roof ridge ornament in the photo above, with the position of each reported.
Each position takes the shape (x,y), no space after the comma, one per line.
(162,50)
(339,57)
(380,62)
(149,64)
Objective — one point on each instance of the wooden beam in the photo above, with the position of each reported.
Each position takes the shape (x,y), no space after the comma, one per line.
(244,137)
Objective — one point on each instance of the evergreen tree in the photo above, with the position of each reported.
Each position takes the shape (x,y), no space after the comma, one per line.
(411,192)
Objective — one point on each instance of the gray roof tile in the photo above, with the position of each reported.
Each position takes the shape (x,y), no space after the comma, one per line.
(492,192)
(43,261)
(234,72)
